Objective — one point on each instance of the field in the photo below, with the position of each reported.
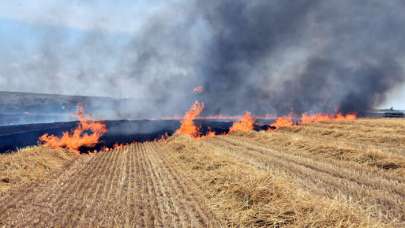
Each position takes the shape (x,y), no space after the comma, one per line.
(337,174)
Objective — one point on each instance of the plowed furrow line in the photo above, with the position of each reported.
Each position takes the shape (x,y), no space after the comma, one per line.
(67,203)
(355,143)
(353,174)
(87,201)
(94,190)
(333,184)
(355,129)
(362,126)
(387,149)
(123,192)
(145,182)
(191,203)
(191,181)
(131,215)
(366,171)
(389,139)
(266,163)
(139,198)
(153,188)
(102,210)
(35,196)
(167,210)
(135,196)
(180,215)
(183,213)
(57,193)
(191,185)
(130,187)
(58,202)
(113,209)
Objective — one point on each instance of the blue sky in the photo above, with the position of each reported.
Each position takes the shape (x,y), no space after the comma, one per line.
(23,22)
(113,16)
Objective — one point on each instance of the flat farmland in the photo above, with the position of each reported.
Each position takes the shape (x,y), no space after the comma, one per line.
(331,174)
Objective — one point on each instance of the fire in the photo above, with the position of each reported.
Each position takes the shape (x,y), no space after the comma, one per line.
(245,124)
(283,121)
(198,90)
(210,133)
(118,146)
(219,117)
(320,117)
(347,117)
(87,133)
(187,125)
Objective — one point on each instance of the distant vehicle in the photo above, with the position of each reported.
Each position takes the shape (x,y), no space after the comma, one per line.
(387,113)
(391,113)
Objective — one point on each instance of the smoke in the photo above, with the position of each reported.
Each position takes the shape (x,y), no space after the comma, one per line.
(259,56)
(302,56)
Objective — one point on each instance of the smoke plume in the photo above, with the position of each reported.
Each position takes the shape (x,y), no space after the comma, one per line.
(302,56)
(259,56)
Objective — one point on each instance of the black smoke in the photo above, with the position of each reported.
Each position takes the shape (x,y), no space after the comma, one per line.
(352,55)
(260,56)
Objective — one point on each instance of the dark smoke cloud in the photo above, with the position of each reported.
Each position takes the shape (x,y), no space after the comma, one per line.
(352,53)
(260,56)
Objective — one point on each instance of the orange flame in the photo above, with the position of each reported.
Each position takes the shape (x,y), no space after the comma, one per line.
(210,133)
(79,136)
(218,117)
(198,90)
(245,124)
(187,125)
(320,117)
(283,121)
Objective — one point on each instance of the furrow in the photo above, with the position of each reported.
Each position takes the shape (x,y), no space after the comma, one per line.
(102,208)
(36,195)
(193,203)
(389,204)
(166,207)
(89,198)
(355,174)
(148,214)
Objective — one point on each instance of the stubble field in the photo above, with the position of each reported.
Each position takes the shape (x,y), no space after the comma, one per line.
(336,174)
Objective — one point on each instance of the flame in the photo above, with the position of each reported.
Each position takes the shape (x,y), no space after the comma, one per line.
(218,117)
(79,137)
(245,124)
(283,121)
(118,146)
(210,133)
(320,117)
(317,117)
(347,117)
(198,90)
(187,125)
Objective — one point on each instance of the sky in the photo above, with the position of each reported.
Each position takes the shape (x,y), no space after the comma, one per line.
(122,16)
(32,32)
(60,40)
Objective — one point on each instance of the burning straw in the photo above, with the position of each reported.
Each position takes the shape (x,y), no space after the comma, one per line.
(86,134)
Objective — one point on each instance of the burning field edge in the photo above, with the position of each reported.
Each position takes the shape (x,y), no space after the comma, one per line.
(320,170)
(323,174)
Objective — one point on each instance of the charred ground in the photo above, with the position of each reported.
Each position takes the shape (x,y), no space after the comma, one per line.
(119,132)
(318,175)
